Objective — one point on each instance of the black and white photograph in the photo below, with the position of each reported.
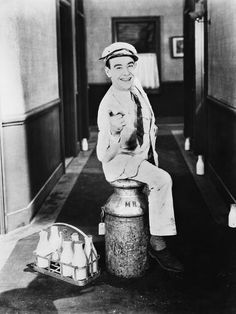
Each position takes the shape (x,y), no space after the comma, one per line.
(177,46)
(117,157)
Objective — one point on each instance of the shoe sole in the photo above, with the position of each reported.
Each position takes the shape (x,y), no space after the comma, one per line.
(163,266)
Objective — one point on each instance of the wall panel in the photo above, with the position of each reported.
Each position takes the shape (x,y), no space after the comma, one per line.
(221,100)
(222,146)
(167,103)
(28,55)
(222,51)
(32,156)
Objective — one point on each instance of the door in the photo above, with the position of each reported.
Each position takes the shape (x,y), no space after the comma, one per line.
(81,67)
(189,71)
(194,79)
(200,130)
(67,84)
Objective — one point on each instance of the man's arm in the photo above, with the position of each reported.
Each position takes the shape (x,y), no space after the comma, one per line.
(109,127)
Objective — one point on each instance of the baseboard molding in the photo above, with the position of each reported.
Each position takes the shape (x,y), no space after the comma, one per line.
(168,101)
(221,187)
(221,128)
(23,216)
(225,106)
(207,187)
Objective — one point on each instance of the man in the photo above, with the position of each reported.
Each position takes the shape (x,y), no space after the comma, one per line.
(126,146)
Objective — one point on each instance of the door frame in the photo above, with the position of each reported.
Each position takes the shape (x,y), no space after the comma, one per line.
(81,71)
(189,70)
(195,79)
(69,129)
(200,126)
(3,223)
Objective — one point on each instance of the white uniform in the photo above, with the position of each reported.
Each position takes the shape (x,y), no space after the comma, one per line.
(130,160)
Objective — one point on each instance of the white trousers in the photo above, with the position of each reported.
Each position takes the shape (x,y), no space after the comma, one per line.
(161,210)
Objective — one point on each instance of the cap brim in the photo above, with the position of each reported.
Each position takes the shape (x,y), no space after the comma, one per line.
(135,57)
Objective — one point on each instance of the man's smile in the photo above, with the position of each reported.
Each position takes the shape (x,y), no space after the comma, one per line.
(126,79)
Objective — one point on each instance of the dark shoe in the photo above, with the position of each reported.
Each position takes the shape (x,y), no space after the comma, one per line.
(166,260)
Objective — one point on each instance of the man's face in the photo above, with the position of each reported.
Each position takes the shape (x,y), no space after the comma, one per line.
(121,72)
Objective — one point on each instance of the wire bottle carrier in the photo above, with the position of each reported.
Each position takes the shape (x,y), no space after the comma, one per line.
(55,268)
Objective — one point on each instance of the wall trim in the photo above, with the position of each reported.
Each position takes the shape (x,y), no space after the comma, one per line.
(162,103)
(31,114)
(36,202)
(162,82)
(224,191)
(2,189)
(147,90)
(222,104)
(220,111)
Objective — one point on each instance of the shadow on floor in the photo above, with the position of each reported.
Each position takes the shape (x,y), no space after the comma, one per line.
(199,291)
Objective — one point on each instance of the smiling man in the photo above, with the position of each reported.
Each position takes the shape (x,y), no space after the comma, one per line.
(126,146)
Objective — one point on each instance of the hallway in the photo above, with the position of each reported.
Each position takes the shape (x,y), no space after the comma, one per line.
(204,245)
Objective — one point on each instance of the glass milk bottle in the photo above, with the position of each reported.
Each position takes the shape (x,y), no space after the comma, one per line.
(43,249)
(66,258)
(55,241)
(91,254)
(187,144)
(232,216)
(200,165)
(79,261)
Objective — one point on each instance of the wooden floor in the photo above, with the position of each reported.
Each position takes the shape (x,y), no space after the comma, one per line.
(204,245)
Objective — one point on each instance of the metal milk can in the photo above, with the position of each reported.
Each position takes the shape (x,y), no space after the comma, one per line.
(127,232)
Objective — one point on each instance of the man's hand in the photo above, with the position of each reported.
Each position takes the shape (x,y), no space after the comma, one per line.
(117,122)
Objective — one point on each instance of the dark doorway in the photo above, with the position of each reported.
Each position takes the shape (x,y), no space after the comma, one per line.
(82,79)
(195,78)
(67,64)
(189,70)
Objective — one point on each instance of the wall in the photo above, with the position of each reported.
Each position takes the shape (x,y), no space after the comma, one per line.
(28,55)
(30,106)
(99,35)
(221,99)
